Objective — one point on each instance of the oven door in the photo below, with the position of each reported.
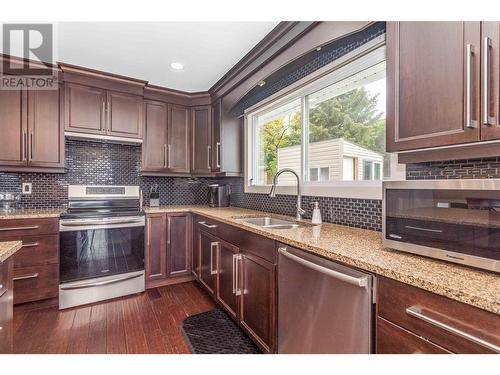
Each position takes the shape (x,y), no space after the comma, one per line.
(92,248)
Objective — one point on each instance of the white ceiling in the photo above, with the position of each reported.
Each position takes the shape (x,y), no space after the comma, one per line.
(144,50)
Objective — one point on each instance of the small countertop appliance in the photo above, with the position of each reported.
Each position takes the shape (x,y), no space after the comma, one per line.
(219,195)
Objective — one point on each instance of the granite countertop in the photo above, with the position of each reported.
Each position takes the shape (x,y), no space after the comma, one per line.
(7,249)
(363,249)
(32,213)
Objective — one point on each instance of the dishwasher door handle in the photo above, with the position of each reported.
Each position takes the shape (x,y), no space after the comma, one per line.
(360,282)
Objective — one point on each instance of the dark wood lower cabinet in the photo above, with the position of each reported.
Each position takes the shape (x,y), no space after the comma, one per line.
(258,300)
(156,246)
(6,308)
(208,262)
(178,244)
(392,339)
(227,272)
(167,255)
(243,283)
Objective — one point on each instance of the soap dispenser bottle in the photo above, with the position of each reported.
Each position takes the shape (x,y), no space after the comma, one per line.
(316,216)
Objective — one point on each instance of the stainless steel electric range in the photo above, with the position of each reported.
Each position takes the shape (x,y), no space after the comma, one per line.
(101,244)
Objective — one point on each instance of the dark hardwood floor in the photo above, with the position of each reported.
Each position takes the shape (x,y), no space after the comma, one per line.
(144,323)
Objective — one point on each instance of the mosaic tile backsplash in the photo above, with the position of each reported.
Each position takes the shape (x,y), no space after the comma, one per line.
(114,164)
(455,169)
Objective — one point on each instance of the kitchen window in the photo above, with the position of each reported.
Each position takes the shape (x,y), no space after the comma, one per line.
(331,132)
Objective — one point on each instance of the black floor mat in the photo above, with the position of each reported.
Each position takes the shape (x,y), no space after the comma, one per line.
(214,332)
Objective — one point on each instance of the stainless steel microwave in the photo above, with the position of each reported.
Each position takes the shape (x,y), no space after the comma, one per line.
(453,220)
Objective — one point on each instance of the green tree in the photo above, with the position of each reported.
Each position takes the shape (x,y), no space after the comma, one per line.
(352,116)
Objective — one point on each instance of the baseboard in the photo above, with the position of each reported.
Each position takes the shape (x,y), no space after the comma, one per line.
(170,281)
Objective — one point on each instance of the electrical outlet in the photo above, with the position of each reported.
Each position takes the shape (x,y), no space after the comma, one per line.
(27,188)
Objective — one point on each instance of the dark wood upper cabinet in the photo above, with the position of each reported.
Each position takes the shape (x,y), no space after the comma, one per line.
(124,115)
(216,136)
(179,139)
(258,300)
(32,131)
(201,140)
(45,129)
(227,287)
(490,80)
(155,257)
(433,84)
(178,244)
(13,127)
(85,109)
(154,148)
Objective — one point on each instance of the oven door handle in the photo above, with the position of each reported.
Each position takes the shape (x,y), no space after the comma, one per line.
(99,222)
(100,283)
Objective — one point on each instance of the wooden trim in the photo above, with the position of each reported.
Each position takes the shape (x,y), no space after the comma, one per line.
(473,151)
(271,38)
(178,97)
(22,168)
(171,281)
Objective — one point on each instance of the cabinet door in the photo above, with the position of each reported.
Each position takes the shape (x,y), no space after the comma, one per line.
(154,148)
(490,78)
(227,264)
(208,261)
(178,244)
(432,84)
(155,256)
(202,144)
(216,136)
(179,139)
(84,109)
(124,115)
(258,300)
(195,255)
(13,128)
(6,306)
(45,129)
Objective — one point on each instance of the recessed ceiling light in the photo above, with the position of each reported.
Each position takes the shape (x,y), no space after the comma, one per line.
(176,66)
(261,83)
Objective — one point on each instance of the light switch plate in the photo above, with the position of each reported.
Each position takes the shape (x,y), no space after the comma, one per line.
(27,188)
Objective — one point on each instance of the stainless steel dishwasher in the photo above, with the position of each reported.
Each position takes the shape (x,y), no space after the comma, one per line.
(323,306)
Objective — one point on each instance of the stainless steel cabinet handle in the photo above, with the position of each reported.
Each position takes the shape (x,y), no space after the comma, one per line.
(32,244)
(207,225)
(234,273)
(217,155)
(34,276)
(25,146)
(19,228)
(165,156)
(237,289)
(469,122)
(100,283)
(424,229)
(212,246)
(209,157)
(487,119)
(361,282)
(31,146)
(416,312)
(168,156)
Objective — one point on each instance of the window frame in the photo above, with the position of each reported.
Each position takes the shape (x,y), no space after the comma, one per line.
(363,58)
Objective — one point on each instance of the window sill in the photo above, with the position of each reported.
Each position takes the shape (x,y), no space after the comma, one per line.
(357,190)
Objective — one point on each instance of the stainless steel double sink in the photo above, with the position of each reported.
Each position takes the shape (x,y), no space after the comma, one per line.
(271,222)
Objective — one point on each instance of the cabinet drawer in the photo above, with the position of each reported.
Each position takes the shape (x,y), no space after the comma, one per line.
(36,283)
(392,339)
(38,251)
(260,246)
(19,228)
(455,326)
